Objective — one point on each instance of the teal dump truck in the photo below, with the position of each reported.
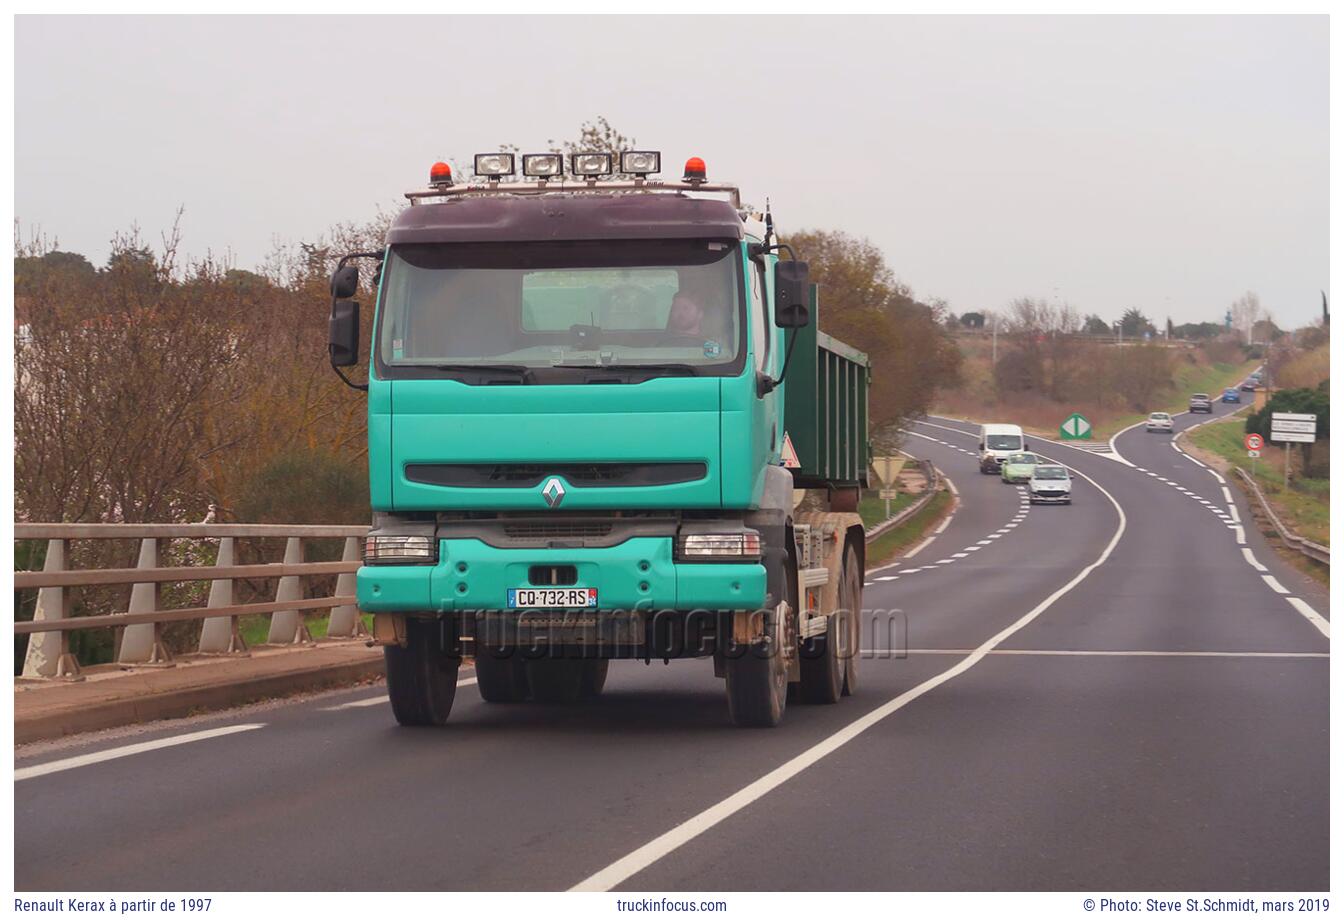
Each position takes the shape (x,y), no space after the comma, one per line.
(603,425)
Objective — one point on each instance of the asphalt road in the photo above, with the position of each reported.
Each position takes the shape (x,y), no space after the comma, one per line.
(1104,696)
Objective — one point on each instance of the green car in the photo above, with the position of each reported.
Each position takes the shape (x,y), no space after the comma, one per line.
(1018,467)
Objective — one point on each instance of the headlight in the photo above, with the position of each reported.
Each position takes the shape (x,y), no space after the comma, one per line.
(543,165)
(590,164)
(640,162)
(494,164)
(726,546)
(400,550)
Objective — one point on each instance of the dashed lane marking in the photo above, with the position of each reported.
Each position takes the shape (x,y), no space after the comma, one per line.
(1312,616)
(1274,584)
(1254,562)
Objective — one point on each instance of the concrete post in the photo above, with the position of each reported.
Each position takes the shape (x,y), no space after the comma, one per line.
(287,626)
(141,643)
(345,622)
(219,635)
(44,649)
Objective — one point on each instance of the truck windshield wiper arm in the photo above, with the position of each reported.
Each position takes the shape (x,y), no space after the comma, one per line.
(524,374)
(686,369)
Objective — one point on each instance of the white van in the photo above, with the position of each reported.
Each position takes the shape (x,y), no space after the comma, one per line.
(996,443)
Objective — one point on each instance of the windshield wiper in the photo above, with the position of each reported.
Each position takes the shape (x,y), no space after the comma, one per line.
(519,372)
(683,369)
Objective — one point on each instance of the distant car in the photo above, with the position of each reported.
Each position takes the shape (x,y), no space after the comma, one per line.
(1050,483)
(1258,376)
(1200,402)
(1158,421)
(1018,467)
(1232,394)
(1248,386)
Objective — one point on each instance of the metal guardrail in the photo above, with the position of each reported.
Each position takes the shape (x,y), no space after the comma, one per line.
(142,641)
(1296,541)
(932,479)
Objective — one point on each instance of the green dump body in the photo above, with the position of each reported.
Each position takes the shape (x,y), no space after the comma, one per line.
(826,409)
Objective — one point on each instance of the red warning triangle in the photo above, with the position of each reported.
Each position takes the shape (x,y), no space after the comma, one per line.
(788,457)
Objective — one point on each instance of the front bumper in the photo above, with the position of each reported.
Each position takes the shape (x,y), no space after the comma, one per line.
(639,574)
(1016,479)
(1050,498)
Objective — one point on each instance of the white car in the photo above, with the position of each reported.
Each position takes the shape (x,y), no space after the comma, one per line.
(1050,483)
(1158,421)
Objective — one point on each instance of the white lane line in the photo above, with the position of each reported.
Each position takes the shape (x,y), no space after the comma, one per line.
(979,543)
(1192,459)
(959,555)
(951,486)
(1312,616)
(1241,533)
(1010,525)
(1232,513)
(943,526)
(924,543)
(944,561)
(888,577)
(1217,476)
(877,653)
(910,571)
(381,698)
(1227,496)
(995,536)
(1254,562)
(84,760)
(975,549)
(1151,473)
(607,878)
(1274,584)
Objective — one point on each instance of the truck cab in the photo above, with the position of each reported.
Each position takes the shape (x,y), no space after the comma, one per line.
(577,413)
(997,443)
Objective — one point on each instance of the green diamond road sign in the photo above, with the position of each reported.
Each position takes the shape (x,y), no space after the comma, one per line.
(1075,428)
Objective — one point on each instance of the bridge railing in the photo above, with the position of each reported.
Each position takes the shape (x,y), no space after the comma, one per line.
(142,642)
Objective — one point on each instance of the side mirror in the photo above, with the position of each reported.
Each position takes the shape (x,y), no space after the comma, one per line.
(791,295)
(343,342)
(344,282)
(1026,446)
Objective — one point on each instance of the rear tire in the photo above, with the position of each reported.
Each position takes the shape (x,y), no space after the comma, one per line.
(422,677)
(555,680)
(851,603)
(500,675)
(594,678)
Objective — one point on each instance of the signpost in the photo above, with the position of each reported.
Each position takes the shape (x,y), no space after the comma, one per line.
(1291,428)
(888,470)
(1075,428)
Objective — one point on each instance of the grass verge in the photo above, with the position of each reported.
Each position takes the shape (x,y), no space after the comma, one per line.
(1304,506)
(254,629)
(873,510)
(908,533)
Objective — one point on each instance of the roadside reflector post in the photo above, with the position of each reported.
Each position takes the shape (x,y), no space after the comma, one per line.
(345,622)
(287,626)
(142,643)
(220,635)
(48,654)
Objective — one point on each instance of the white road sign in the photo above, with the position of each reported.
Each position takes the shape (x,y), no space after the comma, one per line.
(1296,437)
(1285,425)
(1293,417)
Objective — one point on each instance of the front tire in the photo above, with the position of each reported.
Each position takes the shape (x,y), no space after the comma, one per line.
(422,677)
(757,677)
(594,678)
(501,676)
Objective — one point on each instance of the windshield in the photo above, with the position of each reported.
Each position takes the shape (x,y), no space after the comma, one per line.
(1050,472)
(1022,458)
(663,305)
(1004,442)
(1160,416)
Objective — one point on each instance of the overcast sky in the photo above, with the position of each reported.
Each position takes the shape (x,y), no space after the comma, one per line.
(1169,163)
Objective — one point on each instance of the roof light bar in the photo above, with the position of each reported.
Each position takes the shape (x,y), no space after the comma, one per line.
(695,170)
(543,165)
(641,162)
(590,164)
(494,165)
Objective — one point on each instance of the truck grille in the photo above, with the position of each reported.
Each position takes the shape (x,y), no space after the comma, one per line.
(556,530)
(526,475)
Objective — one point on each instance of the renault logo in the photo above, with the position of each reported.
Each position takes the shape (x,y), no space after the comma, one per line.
(553,492)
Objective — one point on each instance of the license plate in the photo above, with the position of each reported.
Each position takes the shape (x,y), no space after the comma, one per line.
(553,598)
